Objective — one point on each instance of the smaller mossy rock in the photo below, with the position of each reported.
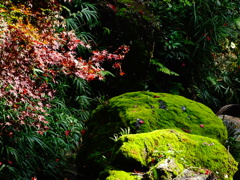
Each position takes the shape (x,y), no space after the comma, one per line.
(167,153)
(143,112)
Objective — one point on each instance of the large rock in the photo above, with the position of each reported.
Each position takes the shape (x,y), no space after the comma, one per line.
(172,154)
(143,112)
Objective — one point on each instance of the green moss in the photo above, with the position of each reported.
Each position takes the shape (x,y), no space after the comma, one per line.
(146,105)
(110,174)
(120,175)
(157,110)
(173,169)
(186,150)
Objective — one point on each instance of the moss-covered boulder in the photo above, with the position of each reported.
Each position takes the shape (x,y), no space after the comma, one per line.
(167,154)
(143,112)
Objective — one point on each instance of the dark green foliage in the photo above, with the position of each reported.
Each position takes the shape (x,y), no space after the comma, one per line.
(190,38)
(25,154)
(191,32)
(28,152)
(81,16)
(162,68)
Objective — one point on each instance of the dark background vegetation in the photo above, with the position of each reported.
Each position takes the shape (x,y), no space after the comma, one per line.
(184,47)
(180,47)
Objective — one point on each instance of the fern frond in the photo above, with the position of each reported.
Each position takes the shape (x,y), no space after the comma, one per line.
(162,68)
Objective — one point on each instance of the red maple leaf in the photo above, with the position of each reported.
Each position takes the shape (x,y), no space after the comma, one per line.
(112,7)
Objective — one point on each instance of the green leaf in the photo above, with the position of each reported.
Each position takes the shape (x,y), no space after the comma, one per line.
(35,71)
(106,31)
(105,73)
(162,68)
(12,152)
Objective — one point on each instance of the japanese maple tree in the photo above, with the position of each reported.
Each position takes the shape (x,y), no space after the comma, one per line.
(33,53)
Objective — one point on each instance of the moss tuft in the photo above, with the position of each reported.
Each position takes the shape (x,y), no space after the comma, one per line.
(120,175)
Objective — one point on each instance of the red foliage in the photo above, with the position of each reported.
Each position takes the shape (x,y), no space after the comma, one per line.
(32,54)
(187,130)
(208,172)
(112,7)
(83,131)
(67,132)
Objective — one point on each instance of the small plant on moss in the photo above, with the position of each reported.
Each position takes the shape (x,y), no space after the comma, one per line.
(125,131)
(115,137)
